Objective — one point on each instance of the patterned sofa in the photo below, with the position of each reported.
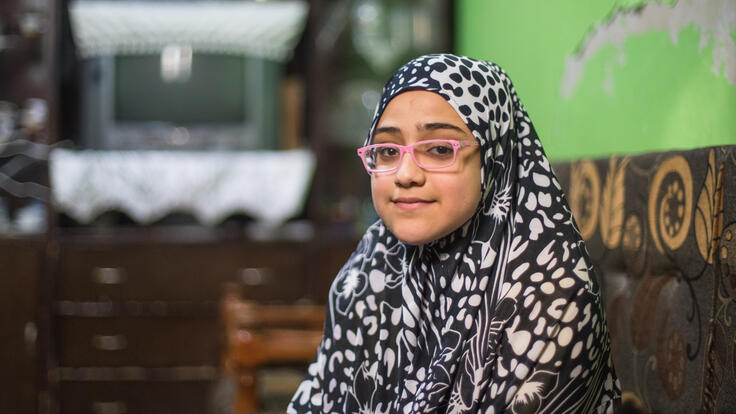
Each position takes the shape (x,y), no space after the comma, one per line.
(661,229)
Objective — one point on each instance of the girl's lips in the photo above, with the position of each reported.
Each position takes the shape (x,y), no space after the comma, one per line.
(410,203)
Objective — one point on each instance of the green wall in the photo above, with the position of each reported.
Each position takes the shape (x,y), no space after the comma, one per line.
(608,77)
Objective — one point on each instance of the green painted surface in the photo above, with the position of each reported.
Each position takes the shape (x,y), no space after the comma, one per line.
(648,94)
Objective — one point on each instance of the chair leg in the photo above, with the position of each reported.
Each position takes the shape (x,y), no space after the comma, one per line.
(246,401)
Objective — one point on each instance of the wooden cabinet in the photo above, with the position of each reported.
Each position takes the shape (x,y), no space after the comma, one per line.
(136,318)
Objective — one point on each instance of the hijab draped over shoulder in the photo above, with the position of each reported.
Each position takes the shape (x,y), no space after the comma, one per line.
(502,315)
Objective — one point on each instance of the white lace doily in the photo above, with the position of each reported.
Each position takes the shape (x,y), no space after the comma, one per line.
(266,30)
(270,186)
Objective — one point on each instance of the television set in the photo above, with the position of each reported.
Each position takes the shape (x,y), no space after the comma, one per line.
(195,101)
(175,74)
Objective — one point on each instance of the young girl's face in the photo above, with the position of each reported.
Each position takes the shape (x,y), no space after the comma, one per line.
(417,205)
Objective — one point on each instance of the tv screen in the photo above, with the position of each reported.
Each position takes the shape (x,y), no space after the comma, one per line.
(210,91)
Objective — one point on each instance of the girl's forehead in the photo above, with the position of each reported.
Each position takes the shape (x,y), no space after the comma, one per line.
(421,111)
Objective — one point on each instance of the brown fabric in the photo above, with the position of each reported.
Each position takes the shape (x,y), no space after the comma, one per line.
(661,228)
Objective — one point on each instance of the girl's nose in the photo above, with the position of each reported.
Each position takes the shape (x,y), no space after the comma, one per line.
(408,173)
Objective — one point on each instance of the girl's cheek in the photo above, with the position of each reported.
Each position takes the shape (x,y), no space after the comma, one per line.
(377,187)
(378,183)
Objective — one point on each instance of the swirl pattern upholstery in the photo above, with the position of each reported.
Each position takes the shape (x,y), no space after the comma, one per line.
(661,229)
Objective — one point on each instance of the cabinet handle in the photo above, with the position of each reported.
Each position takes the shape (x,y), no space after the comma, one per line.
(256,276)
(109,407)
(30,333)
(109,275)
(109,342)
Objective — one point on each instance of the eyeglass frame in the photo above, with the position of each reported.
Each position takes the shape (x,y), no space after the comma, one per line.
(456,146)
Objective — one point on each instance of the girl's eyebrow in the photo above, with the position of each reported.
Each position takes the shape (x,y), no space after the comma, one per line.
(433,126)
(387,130)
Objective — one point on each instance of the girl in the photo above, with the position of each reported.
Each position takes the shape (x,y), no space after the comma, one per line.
(473,293)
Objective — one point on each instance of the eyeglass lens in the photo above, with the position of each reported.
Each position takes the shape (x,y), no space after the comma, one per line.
(427,155)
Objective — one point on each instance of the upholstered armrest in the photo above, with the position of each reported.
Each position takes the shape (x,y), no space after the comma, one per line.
(661,230)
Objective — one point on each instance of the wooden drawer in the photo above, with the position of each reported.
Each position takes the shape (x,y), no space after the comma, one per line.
(138,341)
(135,397)
(181,272)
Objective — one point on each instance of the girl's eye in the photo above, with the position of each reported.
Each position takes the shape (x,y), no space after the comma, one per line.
(387,151)
(440,149)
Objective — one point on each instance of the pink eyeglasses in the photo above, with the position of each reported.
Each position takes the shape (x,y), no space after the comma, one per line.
(433,154)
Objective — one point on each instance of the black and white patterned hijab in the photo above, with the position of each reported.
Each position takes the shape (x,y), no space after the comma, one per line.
(502,315)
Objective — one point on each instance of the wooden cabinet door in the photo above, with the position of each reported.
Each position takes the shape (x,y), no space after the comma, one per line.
(20,268)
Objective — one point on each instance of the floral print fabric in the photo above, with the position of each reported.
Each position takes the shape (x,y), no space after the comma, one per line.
(502,315)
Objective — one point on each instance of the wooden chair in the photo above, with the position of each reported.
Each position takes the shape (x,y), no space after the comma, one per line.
(258,336)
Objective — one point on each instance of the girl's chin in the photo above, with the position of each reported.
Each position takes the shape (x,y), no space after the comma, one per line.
(412,237)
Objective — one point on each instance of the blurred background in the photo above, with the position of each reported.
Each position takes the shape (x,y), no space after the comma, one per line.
(153,151)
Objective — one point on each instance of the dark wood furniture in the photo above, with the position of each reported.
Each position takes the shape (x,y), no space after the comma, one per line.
(30,77)
(136,315)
